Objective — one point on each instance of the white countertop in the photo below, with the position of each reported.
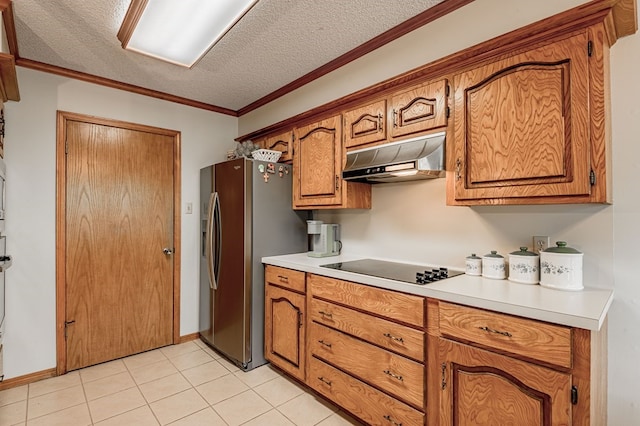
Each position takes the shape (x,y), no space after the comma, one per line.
(583,309)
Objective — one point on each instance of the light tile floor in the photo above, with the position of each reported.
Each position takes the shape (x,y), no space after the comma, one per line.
(182,385)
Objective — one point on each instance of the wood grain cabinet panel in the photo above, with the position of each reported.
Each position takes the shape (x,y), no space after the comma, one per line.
(368,403)
(317,169)
(481,387)
(401,307)
(419,109)
(389,335)
(548,343)
(522,126)
(399,376)
(282,142)
(283,277)
(285,330)
(365,124)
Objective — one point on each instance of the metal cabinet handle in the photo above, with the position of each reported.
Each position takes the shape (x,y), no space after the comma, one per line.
(326,314)
(325,381)
(395,376)
(458,169)
(397,339)
(391,420)
(322,342)
(491,330)
(395,118)
(379,122)
(167,251)
(337,182)
(283,278)
(444,375)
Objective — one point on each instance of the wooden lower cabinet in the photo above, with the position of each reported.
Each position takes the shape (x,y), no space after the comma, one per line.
(360,399)
(285,326)
(480,387)
(391,358)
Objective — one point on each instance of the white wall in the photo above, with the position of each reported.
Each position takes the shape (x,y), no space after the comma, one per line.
(31,173)
(409,221)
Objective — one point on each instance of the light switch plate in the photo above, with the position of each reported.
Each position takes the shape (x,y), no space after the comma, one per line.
(189,208)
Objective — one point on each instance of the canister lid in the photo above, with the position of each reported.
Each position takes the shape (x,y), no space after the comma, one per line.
(493,254)
(523,252)
(473,256)
(561,248)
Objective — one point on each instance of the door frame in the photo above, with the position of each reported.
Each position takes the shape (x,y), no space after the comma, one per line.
(61,225)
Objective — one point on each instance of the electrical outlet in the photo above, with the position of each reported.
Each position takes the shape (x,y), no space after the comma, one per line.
(540,243)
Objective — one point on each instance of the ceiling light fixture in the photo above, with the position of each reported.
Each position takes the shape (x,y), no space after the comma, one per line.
(180,32)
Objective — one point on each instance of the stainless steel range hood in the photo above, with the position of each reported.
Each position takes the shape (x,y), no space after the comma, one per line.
(411,159)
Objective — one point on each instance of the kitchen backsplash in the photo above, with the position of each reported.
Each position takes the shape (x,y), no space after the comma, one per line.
(409,221)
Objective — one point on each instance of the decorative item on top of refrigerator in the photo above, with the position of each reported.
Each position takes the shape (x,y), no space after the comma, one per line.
(561,267)
(324,239)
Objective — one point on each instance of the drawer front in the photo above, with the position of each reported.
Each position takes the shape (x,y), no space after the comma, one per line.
(533,339)
(390,335)
(283,277)
(390,304)
(401,377)
(369,404)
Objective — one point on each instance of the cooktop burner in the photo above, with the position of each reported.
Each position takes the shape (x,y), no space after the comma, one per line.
(413,274)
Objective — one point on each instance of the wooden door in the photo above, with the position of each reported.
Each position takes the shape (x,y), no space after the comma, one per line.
(282,142)
(118,242)
(483,388)
(285,330)
(419,109)
(522,125)
(318,164)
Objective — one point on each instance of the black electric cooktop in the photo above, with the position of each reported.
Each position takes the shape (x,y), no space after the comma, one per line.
(413,274)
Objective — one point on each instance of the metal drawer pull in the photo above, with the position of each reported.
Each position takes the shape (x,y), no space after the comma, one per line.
(325,381)
(389,419)
(283,278)
(491,330)
(397,339)
(395,376)
(322,342)
(326,314)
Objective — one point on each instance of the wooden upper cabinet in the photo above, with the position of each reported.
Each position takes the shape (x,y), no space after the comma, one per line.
(365,124)
(418,109)
(317,169)
(282,142)
(522,131)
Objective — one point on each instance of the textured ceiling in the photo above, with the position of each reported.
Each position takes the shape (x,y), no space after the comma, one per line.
(275,43)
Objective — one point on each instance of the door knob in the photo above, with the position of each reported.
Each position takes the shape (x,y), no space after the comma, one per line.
(167,251)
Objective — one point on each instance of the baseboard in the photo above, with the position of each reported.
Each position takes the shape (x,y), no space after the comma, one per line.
(27,378)
(189,337)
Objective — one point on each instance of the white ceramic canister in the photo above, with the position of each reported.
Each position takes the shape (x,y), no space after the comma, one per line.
(524,266)
(473,265)
(561,267)
(493,266)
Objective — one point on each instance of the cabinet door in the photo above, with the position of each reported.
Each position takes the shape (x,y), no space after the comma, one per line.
(285,330)
(522,125)
(481,387)
(365,124)
(419,109)
(318,164)
(282,142)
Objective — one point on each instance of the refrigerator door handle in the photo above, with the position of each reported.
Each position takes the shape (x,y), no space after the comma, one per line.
(211,250)
(218,246)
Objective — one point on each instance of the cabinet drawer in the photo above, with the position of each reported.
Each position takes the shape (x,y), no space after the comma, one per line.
(390,304)
(370,405)
(284,277)
(401,377)
(533,339)
(392,336)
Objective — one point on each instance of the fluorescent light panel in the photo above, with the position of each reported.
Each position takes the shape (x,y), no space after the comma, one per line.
(182,31)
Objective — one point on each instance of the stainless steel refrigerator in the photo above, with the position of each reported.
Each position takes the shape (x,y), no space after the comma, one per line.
(247,214)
